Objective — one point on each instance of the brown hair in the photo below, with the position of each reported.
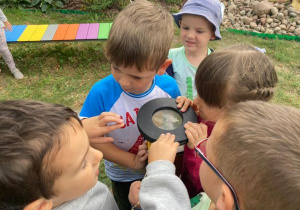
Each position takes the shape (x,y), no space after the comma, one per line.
(259,154)
(141,35)
(234,74)
(30,136)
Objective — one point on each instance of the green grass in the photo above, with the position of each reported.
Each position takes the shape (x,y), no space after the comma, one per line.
(64,72)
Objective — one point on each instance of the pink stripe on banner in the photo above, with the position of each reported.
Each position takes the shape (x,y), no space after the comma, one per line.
(93,31)
(82,31)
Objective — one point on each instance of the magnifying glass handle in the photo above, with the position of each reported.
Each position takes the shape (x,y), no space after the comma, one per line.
(149,144)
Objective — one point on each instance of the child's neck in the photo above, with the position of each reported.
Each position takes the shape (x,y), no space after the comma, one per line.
(195,58)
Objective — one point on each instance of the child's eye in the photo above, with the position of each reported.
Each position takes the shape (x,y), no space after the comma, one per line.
(185,28)
(199,32)
(115,68)
(137,78)
(84,164)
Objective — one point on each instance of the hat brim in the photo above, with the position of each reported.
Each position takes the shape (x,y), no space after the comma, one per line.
(178,16)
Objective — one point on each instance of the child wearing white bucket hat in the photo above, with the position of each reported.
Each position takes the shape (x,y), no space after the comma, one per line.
(199,22)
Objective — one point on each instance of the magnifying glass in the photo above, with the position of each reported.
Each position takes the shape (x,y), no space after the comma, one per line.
(161,115)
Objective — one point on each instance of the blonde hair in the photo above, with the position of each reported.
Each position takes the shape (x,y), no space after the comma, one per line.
(234,74)
(259,154)
(141,35)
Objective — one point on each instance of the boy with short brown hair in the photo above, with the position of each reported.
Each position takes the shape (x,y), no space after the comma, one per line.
(251,161)
(46,160)
(137,50)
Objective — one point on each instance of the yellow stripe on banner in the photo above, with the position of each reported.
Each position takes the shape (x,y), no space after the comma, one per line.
(27,33)
(38,33)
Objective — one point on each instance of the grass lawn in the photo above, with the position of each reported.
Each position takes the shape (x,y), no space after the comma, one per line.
(64,72)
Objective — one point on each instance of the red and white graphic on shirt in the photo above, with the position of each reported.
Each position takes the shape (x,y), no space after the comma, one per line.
(135,148)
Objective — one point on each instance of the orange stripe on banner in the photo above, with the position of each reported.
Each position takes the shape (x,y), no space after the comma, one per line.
(71,32)
(60,32)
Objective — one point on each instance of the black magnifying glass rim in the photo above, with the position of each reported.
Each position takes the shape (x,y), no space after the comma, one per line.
(151,132)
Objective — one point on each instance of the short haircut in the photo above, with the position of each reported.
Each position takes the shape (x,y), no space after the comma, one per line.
(141,36)
(259,154)
(30,138)
(235,74)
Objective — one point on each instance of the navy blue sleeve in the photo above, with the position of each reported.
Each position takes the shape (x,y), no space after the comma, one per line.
(170,70)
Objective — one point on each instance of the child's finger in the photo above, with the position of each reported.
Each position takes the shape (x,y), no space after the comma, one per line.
(170,138)
(202,131)
(143,146)
(141,152)
(110,128)
(107,117)
(144,157)
(178,99)
(191,128)
(186,105)
(161,137)
(191,139)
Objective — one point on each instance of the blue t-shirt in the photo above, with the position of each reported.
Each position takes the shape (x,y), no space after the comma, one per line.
(108,96)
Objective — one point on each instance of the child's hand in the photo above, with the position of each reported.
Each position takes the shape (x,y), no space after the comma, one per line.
(97,126)
(183,103)
(163,149)
(139,162)
(7,26)
(134,191)
(141,156)
(195,132)
(142,153)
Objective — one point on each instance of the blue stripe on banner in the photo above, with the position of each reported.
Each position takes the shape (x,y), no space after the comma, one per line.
(14,35)
(9,33)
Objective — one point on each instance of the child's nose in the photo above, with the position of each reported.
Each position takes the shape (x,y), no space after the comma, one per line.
(97,156)
(190,34)
(124,82)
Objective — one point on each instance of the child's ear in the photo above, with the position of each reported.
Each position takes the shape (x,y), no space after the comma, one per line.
(213,36)
(164,67)
(40,204)
(225,199)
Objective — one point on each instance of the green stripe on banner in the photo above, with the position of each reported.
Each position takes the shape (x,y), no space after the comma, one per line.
(262,35)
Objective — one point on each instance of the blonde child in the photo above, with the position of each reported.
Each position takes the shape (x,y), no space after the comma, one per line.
(251,161)
(228,76)
(199,23)
(4,51)
(137,50)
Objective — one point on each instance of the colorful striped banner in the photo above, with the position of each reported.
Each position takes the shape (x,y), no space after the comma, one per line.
(58,32)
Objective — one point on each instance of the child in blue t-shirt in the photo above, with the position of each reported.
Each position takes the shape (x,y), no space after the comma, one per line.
(137,53)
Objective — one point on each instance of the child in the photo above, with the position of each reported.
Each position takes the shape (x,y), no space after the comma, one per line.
(161,188)
(254,147)
(46,160)
(199,23)
(137,48)
(224,78)
(4,51)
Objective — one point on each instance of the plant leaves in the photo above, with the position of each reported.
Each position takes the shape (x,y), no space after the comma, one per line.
(44,7)
(25,1)
(49,1)
(35,2)
(59,4)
